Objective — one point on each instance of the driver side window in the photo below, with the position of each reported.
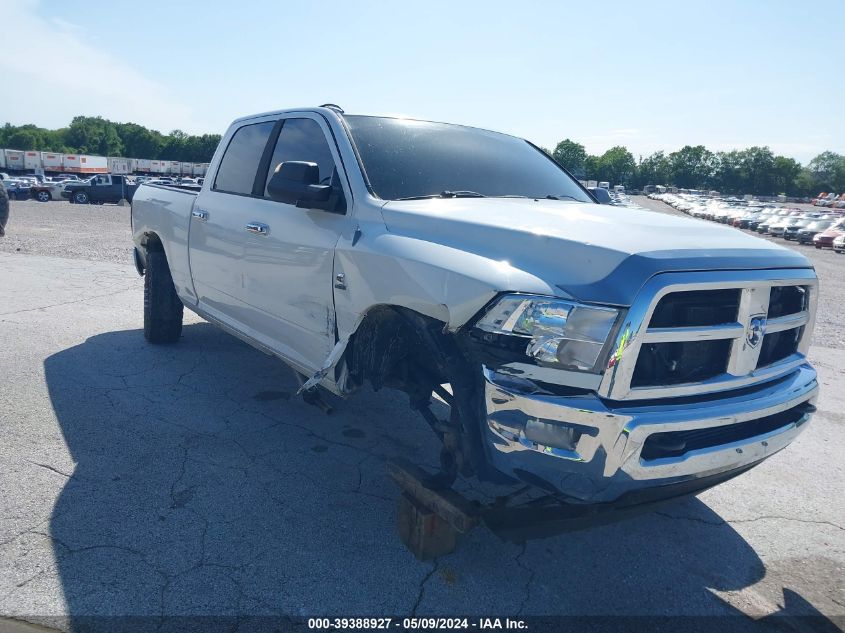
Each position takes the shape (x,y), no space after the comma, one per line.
(302,140)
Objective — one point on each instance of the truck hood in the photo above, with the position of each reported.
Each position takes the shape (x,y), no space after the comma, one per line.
(591,252)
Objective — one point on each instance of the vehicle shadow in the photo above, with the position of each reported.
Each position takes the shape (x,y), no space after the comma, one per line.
(204,487)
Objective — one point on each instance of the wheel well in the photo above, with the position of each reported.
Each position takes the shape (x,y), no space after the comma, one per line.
(399,348)
(402,349)
(152,243)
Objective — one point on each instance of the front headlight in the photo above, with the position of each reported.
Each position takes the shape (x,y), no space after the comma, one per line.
(557,332)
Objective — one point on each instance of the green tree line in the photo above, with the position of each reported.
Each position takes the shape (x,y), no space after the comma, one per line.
(756,170)
(101,137)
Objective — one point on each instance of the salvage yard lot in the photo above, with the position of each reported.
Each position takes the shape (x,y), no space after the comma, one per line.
(189,479)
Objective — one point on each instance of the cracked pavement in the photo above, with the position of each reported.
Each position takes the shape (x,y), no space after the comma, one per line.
(177,480)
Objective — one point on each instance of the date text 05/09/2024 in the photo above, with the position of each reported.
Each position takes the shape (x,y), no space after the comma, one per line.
(415,623)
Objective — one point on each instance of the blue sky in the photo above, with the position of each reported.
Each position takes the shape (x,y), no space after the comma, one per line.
(648,75)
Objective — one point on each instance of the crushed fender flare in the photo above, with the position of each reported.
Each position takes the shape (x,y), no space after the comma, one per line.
(332,359)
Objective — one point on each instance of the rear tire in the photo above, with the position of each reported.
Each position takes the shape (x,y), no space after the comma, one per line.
(162,307)
(43,196)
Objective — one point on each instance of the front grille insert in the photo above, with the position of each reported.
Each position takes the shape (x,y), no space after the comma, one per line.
(696,308)
(779,345)
(677,363)
(677,443)
(786,300)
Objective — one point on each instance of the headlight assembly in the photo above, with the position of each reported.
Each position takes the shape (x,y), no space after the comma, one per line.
(556,332)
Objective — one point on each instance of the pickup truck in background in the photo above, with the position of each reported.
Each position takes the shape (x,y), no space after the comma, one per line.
(606,357)
(99,189)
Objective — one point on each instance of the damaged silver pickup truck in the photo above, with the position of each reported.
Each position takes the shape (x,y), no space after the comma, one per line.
(606,356)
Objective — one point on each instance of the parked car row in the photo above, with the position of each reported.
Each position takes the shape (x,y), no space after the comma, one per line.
(829,200)
(98,189)
(182,182)
(822,229)
(38,187)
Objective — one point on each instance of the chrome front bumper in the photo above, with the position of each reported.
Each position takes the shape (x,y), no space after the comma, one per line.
(591,449)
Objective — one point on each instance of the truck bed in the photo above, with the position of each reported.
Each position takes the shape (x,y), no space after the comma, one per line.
(166,209)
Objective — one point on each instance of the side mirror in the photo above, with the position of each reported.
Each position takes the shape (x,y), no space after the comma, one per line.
(297,182)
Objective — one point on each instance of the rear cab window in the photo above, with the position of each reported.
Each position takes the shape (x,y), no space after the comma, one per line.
(239,164)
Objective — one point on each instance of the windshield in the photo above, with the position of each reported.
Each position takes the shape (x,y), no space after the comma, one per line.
(403,158)
(819,226)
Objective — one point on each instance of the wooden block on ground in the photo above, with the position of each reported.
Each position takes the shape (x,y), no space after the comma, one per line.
(422,531)
(448,504)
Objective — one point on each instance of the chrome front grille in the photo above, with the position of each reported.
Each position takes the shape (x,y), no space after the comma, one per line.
(694,333)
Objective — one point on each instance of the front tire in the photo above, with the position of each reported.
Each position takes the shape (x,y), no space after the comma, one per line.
(162,306)
(80,197)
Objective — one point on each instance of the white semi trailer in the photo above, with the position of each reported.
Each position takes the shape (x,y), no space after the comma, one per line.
(14,159)
(32,161)
(85,164)
(54,162)
(51,161)
(119,166)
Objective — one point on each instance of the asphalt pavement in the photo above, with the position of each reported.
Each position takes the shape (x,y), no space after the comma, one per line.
(189,480)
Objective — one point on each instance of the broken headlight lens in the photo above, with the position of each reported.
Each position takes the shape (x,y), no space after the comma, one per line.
(557,332)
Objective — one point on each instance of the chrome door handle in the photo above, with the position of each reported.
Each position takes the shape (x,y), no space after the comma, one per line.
(258,228)
(199,214)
